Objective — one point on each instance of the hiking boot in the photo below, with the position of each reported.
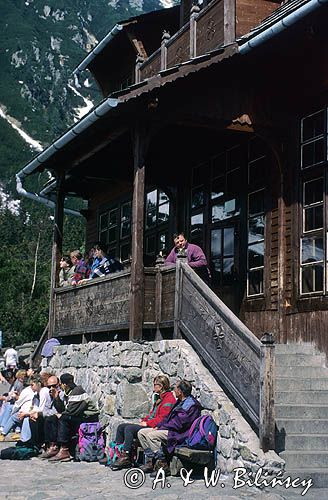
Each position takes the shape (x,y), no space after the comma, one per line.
(51,452)
(123,462)
(149,461)
(63,455)
(161,464)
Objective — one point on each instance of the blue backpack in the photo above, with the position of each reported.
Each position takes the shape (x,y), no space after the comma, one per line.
(202,434)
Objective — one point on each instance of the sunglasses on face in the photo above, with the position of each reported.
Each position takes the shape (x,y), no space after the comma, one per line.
(52,386)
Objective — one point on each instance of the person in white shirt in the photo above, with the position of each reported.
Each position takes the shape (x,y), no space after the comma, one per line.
(11,358)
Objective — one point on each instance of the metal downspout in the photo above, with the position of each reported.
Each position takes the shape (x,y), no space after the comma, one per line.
(281,25)
(36,197)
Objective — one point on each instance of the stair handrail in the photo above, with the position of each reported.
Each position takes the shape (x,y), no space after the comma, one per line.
(243,364)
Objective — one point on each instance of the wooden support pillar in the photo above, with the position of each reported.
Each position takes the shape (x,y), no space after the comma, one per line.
(137,77)
(193,30)
(267,390)
(57,244)
(165,39)
(181,258)
(137,268)
(229,21)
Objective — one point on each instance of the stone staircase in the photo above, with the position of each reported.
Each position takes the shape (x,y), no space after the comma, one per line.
(302,411)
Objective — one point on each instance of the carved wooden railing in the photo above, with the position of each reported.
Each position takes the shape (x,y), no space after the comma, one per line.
(207,30)
(241,362)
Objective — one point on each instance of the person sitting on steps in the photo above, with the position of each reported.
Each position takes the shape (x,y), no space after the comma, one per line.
(126,432)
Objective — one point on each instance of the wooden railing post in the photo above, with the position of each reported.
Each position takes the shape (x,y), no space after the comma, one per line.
(267,391)
(165,38)
(229,21)
(181,258)
(158,295)
(137,75)
(193,30)
(56,250)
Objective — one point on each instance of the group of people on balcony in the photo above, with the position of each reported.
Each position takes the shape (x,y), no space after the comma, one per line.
(46,411)
(77,270)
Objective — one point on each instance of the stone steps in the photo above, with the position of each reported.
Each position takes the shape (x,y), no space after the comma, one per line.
(302,397)
(301,406)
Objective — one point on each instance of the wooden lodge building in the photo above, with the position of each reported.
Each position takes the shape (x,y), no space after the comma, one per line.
(213,122)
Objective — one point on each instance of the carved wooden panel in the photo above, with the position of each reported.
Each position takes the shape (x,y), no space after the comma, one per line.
(178,50)
(228,347)
(151,67)
(168,286)
(210,28)
(250,13)
(102,305)
(150,297)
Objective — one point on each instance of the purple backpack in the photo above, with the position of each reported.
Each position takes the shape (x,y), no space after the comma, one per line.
(202,434)
(91,445)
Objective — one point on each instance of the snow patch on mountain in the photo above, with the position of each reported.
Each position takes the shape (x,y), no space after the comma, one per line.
(80,112)
(7,203)
(166,3)
(16,126)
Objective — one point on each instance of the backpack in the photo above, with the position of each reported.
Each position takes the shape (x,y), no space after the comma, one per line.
(113,452)
(19,452)
(91,445)
(202,434)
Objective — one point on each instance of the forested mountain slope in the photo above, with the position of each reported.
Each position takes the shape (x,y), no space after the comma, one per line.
(41,42)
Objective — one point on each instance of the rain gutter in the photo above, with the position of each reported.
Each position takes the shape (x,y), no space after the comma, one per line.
(59,144)
(281,25)
(101,45)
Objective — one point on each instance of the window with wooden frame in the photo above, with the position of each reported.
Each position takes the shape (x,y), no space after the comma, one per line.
(257,171)
(313,242)
(156,224)
(115,230)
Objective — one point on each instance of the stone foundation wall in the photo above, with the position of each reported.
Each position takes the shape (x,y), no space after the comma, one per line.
(119,375)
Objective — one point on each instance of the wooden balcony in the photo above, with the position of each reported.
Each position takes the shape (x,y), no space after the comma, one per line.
(103,305)
(207,30)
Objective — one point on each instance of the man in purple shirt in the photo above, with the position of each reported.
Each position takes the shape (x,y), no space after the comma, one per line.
(195,256)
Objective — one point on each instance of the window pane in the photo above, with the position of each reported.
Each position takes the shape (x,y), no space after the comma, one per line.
(313,218)
(103,237)
(151,200)
(150,244)
(216,250)
(163,241)
(113,217)
(312,249)
(125,252)
(218,213)
(200,173)
(255,282)
(197,228)
(112,235)
(312,278)
(163,198)
(197,198)
(103,221)
(217,188)
(257,170)
(256,229)
(228,270)
(313,191)
(163,213)
(257,148)
(313,153)
(235,158)
(126,220)
(233,182)
(219,165)
(228,241)
(256,203)
(151,218)
(313,125)
(256,255)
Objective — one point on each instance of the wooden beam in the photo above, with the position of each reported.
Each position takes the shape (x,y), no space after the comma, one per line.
(267,391)
(57,245)
(229,21)
(138,202)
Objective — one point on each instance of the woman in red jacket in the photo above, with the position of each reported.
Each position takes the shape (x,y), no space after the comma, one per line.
(127,432)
